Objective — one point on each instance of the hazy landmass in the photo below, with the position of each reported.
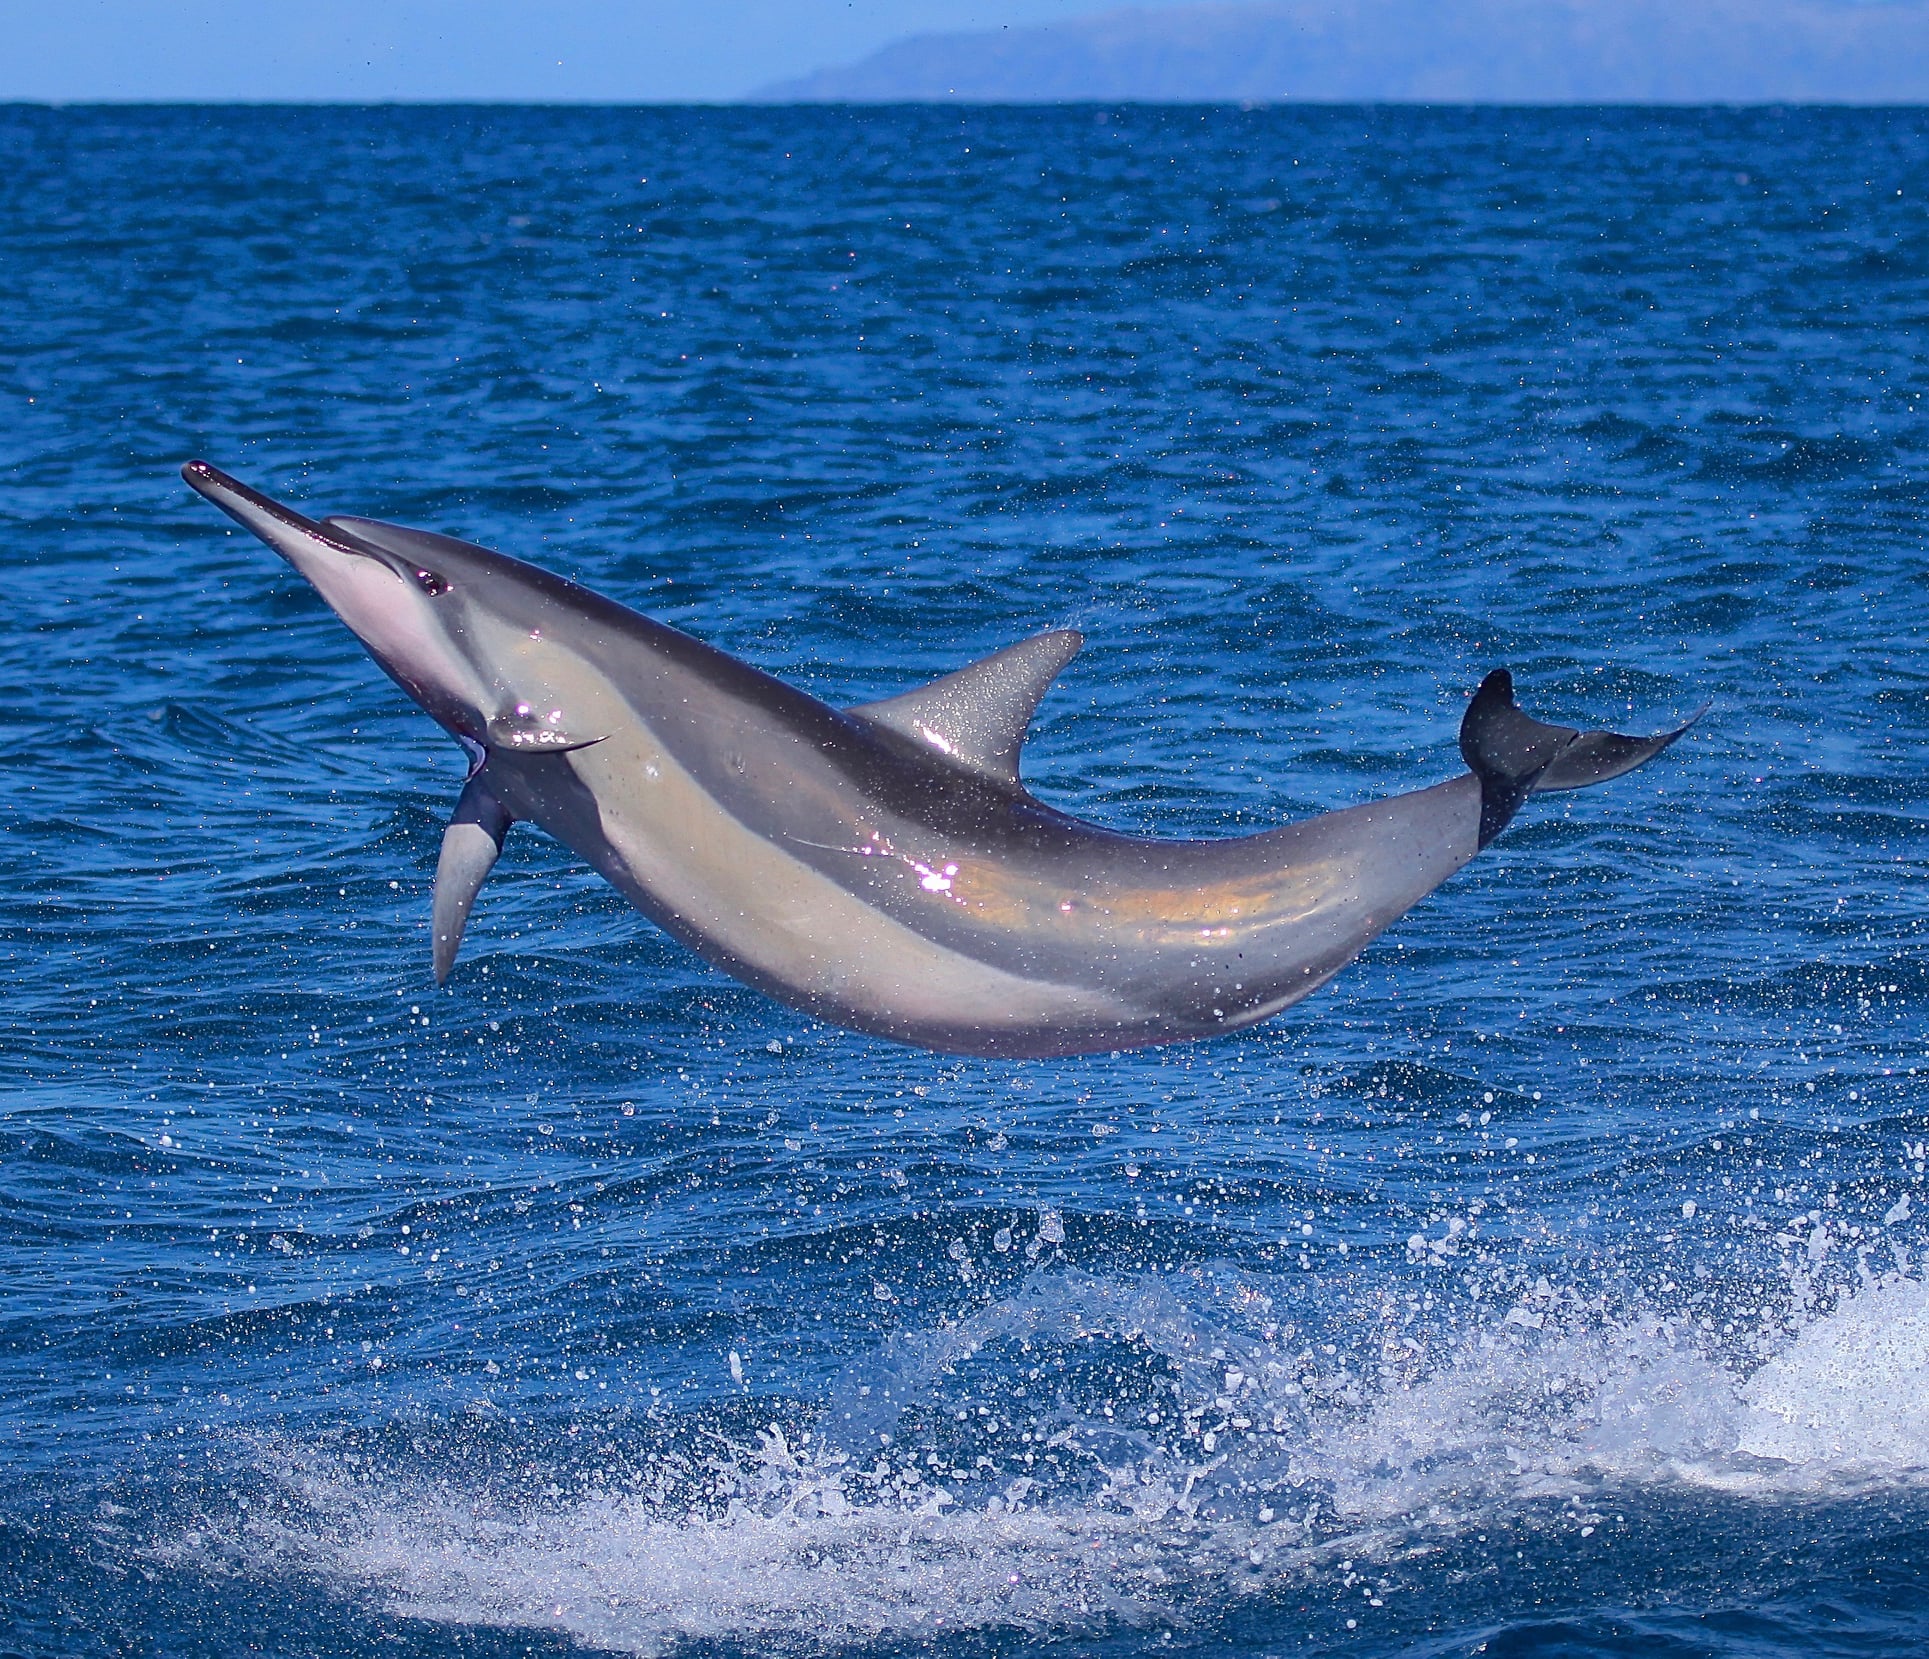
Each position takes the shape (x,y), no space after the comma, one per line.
(1423,51)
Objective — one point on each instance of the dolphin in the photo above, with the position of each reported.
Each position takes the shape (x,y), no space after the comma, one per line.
(881,867)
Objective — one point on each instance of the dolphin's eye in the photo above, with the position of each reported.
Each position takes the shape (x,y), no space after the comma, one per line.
(430,583)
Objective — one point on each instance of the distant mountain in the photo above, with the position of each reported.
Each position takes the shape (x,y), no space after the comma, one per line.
(1415,51)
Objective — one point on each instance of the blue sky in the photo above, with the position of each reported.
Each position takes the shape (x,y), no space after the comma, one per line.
(642,50)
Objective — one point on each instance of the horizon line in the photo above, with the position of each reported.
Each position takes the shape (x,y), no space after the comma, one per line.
(750,101)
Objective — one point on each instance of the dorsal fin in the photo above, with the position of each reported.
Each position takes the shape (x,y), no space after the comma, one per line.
(978,716)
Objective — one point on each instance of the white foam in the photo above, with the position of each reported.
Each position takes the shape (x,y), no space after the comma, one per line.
(1530,1419)
(1851,1394)
(808,1569)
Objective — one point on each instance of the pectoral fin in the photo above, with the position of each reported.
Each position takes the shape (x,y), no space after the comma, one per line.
(469,848)
(529,732)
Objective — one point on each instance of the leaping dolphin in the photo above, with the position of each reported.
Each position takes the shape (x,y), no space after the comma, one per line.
(881,867)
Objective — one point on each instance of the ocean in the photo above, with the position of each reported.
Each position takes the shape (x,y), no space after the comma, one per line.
(1555,1281)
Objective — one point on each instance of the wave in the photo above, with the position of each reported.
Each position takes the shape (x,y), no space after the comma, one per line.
(1118,1451)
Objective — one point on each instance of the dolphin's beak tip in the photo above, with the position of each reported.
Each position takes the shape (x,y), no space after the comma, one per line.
(198,475)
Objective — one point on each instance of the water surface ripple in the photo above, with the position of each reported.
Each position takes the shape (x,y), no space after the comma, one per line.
(1553,1282)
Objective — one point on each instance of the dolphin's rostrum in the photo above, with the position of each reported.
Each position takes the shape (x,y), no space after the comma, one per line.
(881,867)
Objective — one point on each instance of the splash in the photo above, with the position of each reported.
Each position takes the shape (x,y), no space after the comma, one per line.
(1847,1399)
(1113,1451)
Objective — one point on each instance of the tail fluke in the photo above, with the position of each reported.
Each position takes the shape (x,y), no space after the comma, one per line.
(1515,756)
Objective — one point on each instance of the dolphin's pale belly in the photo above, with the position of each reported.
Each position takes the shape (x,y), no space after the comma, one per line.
(1084,942)
(770,918)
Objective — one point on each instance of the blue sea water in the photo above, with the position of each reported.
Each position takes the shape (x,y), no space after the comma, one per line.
(1554,1282)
